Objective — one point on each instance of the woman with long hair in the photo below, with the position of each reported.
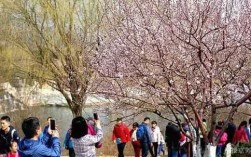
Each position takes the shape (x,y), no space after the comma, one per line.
(84,143)
(241,135)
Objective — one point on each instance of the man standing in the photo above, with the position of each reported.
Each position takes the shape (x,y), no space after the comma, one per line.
(32,146)
(144,135)
(172,138)
(121,135)
(7,134)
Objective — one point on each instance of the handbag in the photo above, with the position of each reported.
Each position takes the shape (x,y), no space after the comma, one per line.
(118,141)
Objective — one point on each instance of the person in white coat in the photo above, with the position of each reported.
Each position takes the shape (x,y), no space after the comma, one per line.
(156,136)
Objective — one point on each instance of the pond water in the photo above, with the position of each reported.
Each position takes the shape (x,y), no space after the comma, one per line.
(62,115)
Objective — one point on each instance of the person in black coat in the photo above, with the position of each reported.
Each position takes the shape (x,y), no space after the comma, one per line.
(231,128)
(172,137)
(7,134)
(230,131)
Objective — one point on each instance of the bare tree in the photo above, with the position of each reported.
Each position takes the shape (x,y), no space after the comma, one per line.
(61,40)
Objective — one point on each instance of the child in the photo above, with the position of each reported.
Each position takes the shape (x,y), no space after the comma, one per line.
(13,150)
(162,144)
(68,143)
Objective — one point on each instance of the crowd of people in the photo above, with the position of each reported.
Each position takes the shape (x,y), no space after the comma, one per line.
(182,139)
(84,136)
(144,138)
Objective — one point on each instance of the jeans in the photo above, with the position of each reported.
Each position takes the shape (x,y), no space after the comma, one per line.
(121,148)
(71,152)
(161,149)
(183,153)
(173,152)
(223,148)
(145,149)
(218,150)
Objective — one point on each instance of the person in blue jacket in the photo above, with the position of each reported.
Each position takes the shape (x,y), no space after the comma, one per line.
(68,143)
(144,135)
(32,146)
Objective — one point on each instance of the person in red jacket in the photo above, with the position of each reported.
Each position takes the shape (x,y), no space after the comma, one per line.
(223,139)
(121,135)
(13,149)
(240,135)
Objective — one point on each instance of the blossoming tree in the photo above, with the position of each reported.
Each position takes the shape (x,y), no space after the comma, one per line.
(187,58)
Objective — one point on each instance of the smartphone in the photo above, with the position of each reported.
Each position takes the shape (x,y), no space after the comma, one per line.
(95,115)
(53,124)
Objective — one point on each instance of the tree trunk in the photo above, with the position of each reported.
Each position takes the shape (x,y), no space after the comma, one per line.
(211,146)
(213,125)
(200,124)
(76,110)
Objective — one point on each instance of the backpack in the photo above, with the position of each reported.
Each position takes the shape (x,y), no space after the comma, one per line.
(5,142)
(12,133)
(140,132)
(183,143)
